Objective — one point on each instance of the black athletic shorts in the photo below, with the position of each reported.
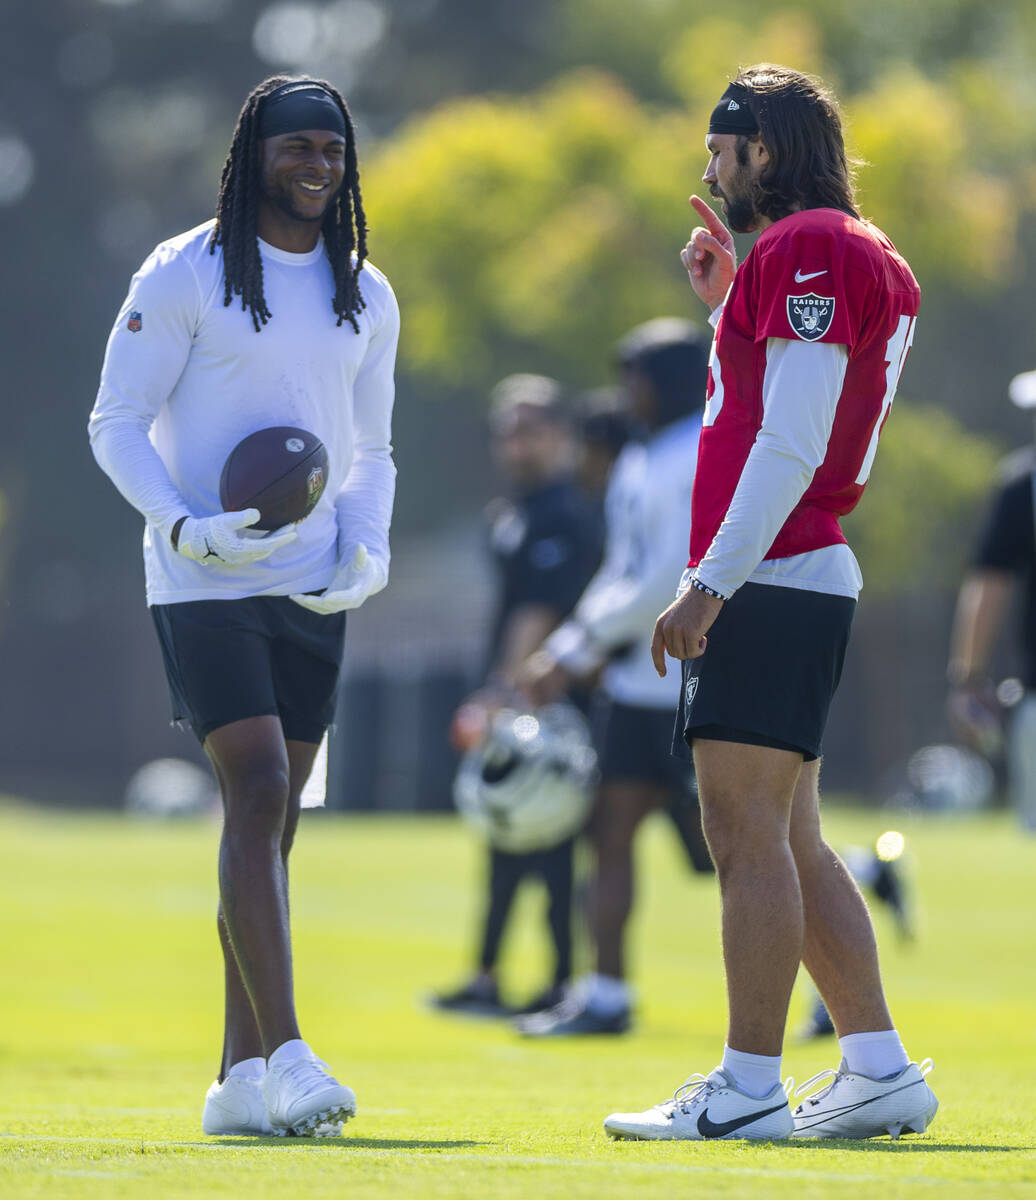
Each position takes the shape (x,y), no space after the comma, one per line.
(771,667)
(635,743)
(262,656)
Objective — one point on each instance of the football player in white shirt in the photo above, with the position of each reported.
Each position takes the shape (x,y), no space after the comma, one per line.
(267,316)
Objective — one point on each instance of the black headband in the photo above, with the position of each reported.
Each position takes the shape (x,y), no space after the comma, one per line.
(732,114)
(299,105)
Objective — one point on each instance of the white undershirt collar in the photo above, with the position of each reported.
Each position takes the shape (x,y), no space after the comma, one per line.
(286,256)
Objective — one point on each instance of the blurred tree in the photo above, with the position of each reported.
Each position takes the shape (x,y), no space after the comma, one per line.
(531,230)
(848,42)
(940,99)
(558,216)
(912,531)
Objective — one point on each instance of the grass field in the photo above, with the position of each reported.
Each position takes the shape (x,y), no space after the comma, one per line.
(110,1024)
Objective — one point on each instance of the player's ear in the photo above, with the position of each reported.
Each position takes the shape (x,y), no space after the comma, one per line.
(759,152)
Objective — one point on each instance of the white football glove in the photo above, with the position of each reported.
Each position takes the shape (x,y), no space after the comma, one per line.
(361,577)
(219,539)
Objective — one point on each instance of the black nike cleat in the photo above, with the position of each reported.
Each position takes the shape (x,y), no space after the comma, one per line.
(572,1018)
(708,1108)
(543,1001)
(479,998)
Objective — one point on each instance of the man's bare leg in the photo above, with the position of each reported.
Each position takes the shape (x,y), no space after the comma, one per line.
(241,1039)
(251,762)
(622,806)
(839,949)
(746,799)
(879,1091)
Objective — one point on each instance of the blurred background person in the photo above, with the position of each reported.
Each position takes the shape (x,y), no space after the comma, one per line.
(1004,564)
(664,367)
(603,424)
(544,542)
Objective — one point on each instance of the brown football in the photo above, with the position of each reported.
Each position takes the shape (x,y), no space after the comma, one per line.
(280,471)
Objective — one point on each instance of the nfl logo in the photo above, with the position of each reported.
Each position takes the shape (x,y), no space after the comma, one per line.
(810,315)
(135,322)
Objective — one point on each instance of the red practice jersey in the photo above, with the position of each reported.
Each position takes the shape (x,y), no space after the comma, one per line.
(817,276)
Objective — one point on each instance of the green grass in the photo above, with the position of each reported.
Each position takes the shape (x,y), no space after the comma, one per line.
(110,1023)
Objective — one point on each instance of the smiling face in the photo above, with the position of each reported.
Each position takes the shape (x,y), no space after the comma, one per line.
(300,175)
(735,166)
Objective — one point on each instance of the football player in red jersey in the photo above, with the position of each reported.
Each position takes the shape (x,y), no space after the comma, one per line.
(812,331)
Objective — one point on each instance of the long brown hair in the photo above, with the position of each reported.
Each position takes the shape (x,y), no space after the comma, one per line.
(800,126)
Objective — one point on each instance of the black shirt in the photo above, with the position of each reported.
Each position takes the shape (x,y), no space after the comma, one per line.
(1008,543)
(545,547)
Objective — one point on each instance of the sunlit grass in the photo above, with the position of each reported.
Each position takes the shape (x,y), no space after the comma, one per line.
(110,1022)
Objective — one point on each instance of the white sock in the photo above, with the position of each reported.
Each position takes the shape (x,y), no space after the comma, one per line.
(289,1052)
(754,1074)
(605,995)
(248,1068)
(877,1055)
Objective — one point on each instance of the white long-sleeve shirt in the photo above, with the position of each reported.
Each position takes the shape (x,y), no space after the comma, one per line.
(185,379)
(801,388)
(647,518)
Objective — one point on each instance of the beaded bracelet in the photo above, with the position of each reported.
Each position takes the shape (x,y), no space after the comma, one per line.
(697,583)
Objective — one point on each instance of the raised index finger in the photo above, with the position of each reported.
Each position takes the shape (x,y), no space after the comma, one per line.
(708,215)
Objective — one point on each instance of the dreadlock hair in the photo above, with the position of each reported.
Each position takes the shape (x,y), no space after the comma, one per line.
(344,226)
(800,126)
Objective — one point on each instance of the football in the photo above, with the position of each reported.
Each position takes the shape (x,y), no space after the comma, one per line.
(280,471)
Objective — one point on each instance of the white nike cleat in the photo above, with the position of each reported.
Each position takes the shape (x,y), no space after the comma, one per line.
(854,1106)
(303,1099)
(707,1108)
(236,1106)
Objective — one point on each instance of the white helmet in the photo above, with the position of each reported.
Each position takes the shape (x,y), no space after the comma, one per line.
(529,784)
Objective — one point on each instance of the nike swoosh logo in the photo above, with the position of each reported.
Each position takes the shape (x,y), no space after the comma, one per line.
(800,278)
(710,1129)
(845,1109)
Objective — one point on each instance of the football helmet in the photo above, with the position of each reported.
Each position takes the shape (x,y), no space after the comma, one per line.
(528,785)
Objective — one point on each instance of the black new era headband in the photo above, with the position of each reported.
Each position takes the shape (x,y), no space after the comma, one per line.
(732,114)
(299,105)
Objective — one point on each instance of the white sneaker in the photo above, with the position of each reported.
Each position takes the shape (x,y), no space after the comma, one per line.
(706,1108)
(236,1106)
(302,1098)
(854,1106)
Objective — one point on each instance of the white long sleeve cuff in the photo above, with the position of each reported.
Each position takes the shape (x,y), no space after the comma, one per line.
(572,646)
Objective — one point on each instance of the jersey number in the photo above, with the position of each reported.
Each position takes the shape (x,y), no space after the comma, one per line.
(895,356)
(715,402)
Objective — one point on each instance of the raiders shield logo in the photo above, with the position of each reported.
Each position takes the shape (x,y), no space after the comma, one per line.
(135,322)
(689,690)
(810,316)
